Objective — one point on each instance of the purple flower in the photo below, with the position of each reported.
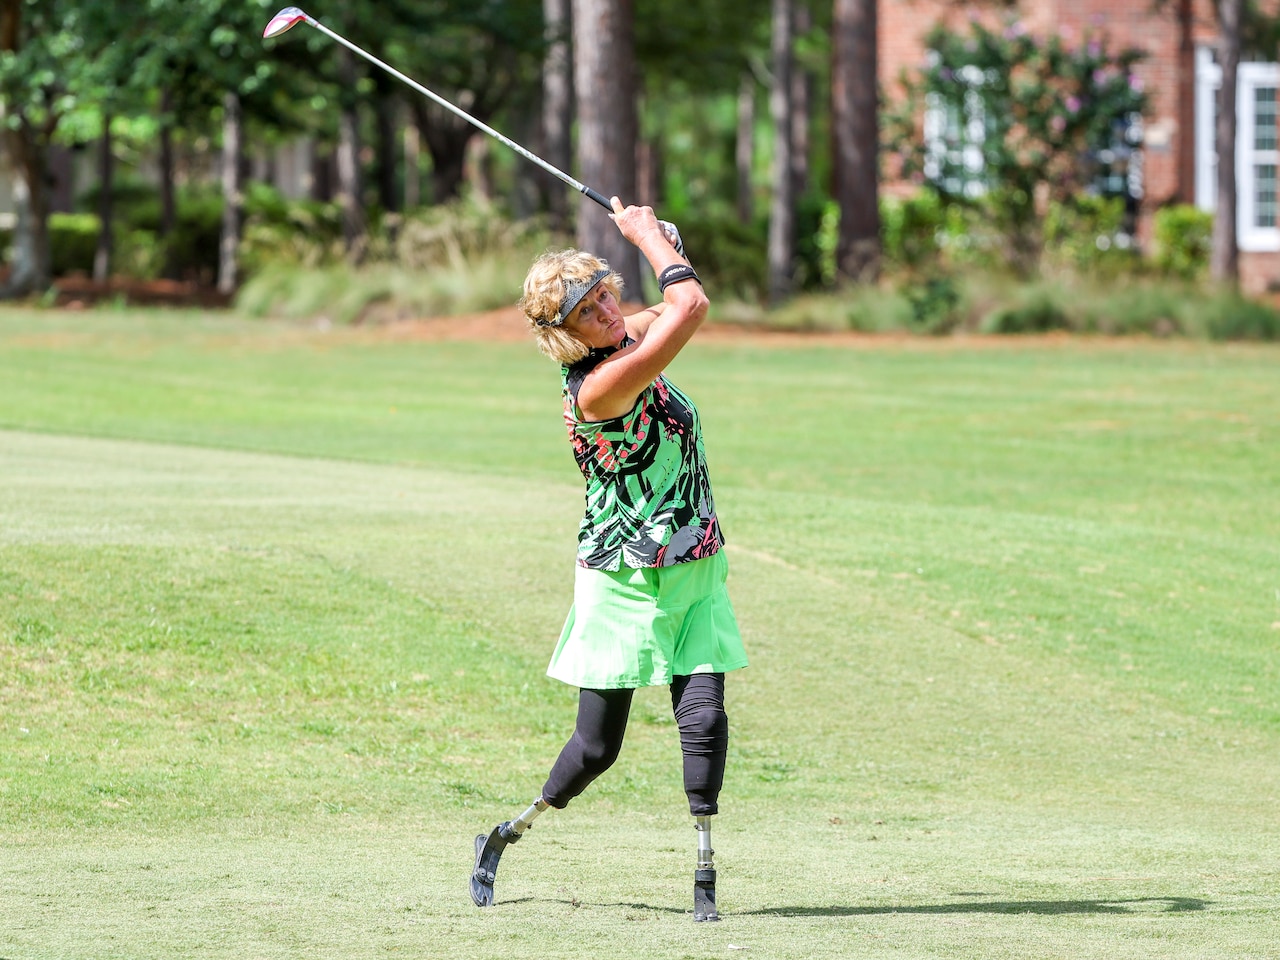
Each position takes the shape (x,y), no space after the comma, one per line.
(1057,123)
(1015,30)
(1073,105)
(1135,83)
(1095,48)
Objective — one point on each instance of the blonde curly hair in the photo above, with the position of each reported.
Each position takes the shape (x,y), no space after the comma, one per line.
(545,286)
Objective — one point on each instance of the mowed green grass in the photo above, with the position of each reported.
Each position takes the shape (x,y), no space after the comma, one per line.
(275,606)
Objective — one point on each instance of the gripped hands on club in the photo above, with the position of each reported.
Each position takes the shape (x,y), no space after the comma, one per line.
(640,225)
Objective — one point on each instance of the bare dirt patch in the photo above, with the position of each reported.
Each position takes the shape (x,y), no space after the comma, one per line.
(76,292)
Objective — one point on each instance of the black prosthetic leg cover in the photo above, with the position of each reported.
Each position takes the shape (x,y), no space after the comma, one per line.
(704,895)
(488,852)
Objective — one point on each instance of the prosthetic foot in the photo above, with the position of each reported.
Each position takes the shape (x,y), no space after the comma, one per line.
(489,852)
(704,878)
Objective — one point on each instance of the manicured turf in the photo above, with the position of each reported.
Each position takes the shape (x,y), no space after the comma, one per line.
(275,605)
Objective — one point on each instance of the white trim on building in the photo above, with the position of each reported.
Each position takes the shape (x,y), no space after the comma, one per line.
(1257,149)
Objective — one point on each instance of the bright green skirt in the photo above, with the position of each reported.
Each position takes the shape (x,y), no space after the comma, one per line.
(642,627)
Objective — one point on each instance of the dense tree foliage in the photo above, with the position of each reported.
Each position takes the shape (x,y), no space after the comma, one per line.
(764,146)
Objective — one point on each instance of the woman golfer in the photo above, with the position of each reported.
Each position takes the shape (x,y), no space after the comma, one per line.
(650,605)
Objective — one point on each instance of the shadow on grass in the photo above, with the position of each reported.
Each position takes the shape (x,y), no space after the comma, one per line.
(1135,905)
(1044,907)
(617,905)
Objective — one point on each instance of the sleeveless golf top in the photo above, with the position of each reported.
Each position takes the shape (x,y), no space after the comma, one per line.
(648,493)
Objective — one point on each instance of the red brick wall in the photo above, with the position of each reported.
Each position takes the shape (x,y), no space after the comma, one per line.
(1125,23)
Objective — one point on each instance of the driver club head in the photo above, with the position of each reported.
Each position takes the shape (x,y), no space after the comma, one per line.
(282,21)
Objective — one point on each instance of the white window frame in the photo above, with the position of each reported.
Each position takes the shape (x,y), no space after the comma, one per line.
(973,135)
(1251,76)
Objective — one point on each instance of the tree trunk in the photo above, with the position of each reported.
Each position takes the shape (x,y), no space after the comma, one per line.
(856,138)
(801,98)
(412,150)
(106,176)
(232,198)
(447,143)
(1224,263)
(30,269)
(10,25)
(526,191)
(744,145)
(322,173)
(605,86)
(477,168)
(387,102)
(62,187)
(557,108)
(349,190)
(782,241)
(649,171)
(168,200)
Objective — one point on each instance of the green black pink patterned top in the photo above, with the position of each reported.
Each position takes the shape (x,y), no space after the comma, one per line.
(649,498)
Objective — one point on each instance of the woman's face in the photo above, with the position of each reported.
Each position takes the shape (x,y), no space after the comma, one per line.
(597,319)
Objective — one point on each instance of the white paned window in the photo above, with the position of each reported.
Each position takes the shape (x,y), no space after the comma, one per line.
(1257,148)
(954,138)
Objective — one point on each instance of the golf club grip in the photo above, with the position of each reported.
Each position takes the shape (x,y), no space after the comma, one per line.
(599,198)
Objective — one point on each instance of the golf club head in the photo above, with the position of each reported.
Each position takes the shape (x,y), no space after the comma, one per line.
(282,21)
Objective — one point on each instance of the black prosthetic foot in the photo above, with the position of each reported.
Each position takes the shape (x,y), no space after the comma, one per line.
(488,852)
(704,895)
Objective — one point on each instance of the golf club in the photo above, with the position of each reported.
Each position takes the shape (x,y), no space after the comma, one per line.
(291,16)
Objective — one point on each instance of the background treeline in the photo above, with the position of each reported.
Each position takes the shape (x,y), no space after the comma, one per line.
(720,113)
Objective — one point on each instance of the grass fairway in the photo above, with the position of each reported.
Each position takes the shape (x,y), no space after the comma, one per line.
(275,606)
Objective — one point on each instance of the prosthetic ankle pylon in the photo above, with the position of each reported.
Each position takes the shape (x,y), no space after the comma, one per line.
(489,851)
(704,877)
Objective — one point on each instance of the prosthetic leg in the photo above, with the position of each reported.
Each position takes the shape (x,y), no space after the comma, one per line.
(489,851)
(704,877)
(596,740)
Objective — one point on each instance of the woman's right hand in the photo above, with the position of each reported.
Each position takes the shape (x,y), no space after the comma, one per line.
(638,224)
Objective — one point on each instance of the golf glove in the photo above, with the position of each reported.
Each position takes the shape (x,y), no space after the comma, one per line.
(672,235)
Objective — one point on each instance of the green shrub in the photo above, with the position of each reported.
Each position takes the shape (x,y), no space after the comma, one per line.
(731,256)
(827,241)
(73,241)
(1157,308)
(910,228)
(935,304)
(1087,234)
(1038,313)
(1236,318)
(311,236)
(1183,237)
(463,231)
(191,249)
(870,308)
(817,232)
(138,254)
(135,203)
(457,258)
(970,236)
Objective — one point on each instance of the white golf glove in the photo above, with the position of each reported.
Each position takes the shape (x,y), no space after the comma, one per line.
(672,235)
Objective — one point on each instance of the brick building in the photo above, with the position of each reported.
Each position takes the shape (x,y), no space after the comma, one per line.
(1177,157)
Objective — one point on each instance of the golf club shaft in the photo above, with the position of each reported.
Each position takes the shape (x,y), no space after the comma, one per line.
(554,171)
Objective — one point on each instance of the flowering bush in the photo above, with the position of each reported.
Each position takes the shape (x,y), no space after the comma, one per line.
(1013,123)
